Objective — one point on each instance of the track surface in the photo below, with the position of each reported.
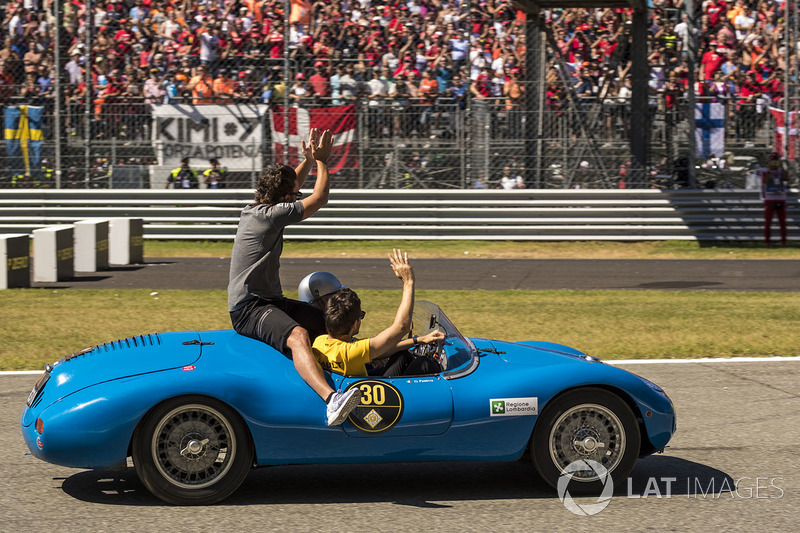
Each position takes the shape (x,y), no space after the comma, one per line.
(734,458)
(460,274)
(738,429)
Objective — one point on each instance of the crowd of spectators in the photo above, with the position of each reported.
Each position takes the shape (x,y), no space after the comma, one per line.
(418,59)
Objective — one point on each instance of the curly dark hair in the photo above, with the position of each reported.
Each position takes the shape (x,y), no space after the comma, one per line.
(274,183)
(341,311)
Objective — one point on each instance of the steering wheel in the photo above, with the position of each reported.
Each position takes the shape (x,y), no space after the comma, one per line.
(434,350)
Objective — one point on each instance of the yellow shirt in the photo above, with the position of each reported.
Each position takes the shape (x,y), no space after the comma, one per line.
(348,358)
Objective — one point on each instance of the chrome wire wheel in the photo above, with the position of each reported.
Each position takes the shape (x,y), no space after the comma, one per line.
(587,431)
(193,446)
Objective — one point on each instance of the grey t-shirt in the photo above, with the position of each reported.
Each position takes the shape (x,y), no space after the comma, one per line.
(255,260)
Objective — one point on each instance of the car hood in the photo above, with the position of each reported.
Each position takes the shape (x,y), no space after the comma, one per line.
(540,353)
(119,359)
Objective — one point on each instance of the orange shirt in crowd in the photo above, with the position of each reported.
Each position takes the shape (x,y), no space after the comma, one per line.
(202,90)
(428,89)
(223,90)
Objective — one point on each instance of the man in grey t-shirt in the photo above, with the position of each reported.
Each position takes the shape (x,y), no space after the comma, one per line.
(255,299)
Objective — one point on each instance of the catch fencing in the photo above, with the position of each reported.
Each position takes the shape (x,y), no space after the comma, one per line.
(393,143)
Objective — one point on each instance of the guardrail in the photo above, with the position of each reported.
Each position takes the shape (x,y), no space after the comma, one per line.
(533,214)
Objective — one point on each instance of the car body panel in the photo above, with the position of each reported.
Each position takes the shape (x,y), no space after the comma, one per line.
(92,404)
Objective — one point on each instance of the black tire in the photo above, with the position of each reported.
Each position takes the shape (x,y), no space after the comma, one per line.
(588,423)
(192,450)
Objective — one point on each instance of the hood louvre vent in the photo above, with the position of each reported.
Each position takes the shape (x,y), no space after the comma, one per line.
(140,341)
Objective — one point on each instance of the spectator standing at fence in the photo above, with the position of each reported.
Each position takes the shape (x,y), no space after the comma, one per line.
(510,181)
(300,92)
(514,91)
(773,193)
(224,87)
(377,93)
(349,87)
(749,93)
(202,87)
(153,91)
(182,177)
(215,177)
(428,93)
(320,82)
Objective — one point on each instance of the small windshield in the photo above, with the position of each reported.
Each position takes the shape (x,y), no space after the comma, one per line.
(458,350)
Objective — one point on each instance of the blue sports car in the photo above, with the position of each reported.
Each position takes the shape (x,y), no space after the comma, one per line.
(197,410)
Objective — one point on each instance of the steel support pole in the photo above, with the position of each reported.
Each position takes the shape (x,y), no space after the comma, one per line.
(88,97)
(692,156)
(534,34)
(287,9)
(57,89)
(640,117)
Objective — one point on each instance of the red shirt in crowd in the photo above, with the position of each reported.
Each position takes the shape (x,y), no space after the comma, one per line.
(711,62)
(321,85)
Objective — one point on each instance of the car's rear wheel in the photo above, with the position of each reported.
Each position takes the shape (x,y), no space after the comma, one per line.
(584,436)
(192,450)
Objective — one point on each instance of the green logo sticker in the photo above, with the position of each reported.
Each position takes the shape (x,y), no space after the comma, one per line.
(514,406)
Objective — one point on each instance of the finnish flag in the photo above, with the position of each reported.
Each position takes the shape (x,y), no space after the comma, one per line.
(709,132)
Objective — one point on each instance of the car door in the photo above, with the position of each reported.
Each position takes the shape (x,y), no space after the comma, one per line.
(399,406)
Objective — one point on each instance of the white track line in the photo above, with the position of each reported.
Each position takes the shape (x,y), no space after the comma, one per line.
(610,362)
(702,360)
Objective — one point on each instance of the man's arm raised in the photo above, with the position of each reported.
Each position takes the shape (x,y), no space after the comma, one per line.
(320,151)
(304,167)
(382,343)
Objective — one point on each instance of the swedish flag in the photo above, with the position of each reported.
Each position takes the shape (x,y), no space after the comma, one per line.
(24,139)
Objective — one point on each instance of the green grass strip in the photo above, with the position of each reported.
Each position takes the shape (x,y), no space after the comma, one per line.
(492,249)
(42,325)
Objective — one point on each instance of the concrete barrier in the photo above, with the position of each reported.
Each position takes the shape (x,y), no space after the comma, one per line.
(53,253)
(91,245)
(15,254)
(125,240)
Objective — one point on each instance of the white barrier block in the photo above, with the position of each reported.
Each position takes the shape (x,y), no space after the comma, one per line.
(125,243)
(91,245)
(53,253)
(15,254)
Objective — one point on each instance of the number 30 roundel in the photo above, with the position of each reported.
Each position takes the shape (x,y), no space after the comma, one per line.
(380,409)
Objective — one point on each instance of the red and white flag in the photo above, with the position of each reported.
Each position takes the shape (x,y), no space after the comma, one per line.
(341,120)
(780,131)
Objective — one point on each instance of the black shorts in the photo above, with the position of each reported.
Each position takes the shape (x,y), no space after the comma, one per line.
(271,321)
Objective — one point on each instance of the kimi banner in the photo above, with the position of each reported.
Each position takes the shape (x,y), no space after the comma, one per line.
(780,131)
(709,130)
(23,127)
(341,120)
(234,134)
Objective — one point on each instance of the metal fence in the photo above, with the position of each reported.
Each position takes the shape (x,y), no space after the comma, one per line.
(405,143)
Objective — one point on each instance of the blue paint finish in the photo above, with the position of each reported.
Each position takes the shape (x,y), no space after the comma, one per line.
(93,402)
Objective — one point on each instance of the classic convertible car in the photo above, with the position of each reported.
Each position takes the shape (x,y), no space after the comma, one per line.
(197,410)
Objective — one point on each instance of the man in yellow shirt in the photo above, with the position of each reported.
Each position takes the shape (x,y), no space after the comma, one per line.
(340,351)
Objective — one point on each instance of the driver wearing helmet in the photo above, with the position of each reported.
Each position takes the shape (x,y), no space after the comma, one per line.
(340,351)
(773,193)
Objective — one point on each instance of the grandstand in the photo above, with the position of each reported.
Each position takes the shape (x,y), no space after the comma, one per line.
(422,94)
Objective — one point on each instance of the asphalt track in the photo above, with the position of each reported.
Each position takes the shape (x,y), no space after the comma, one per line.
(467,273)
(733,465)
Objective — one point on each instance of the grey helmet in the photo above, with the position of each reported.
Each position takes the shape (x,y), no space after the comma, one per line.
(316,285)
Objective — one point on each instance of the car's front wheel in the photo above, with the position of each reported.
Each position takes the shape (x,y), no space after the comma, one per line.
(192,450)
(584,436)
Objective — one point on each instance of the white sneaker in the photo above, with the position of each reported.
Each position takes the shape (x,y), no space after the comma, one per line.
(341,404)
